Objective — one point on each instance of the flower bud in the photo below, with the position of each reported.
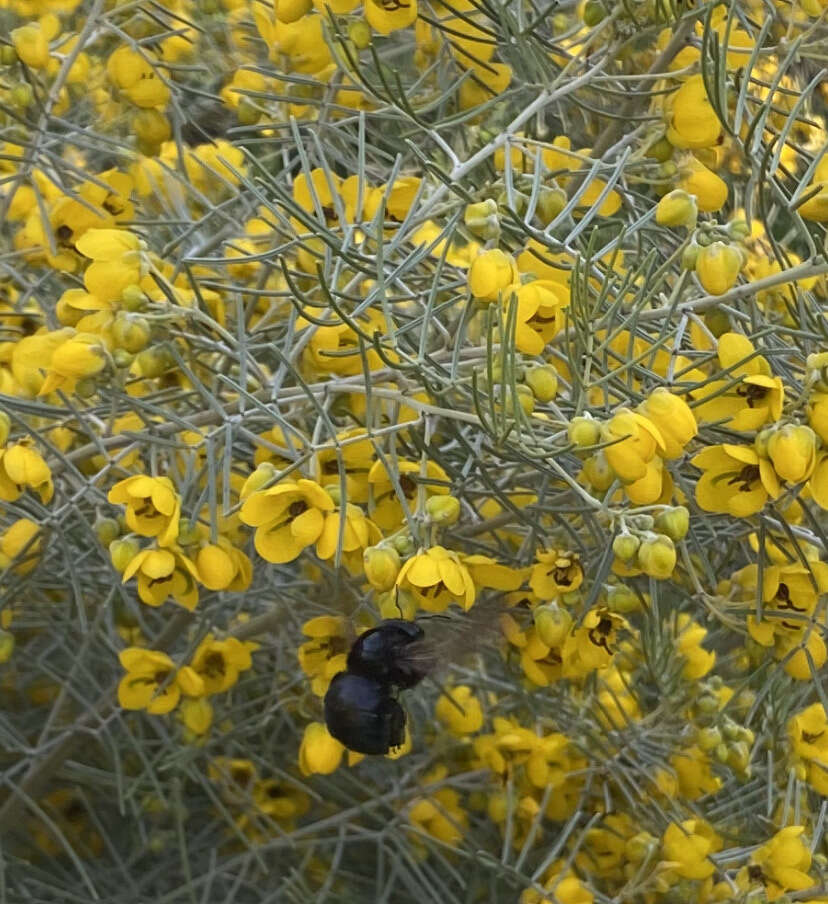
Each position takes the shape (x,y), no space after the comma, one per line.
(188,532)
(31,45)
(551,202)
(738,229)
(677,208)
(404,544)
(360,33)
(382,565)
(657,557)
(133,298)
(690,255)
(709,738)
(625,546)
(130,332)
(5,427)
(122,552)
(107,530)
(443,510)
(491,273)
(640,847)
(792,451)
(721,753)
(260,478)
(6,645)
(717,267)
(674,522)
(660,150)
(552,624)
(152,362)
(717,321)
(543,381)
(584,432)
(482,219)
(21,95)
(151,126)
(598,473)
(623,599)
(739,756)
(594,12)
(122,359)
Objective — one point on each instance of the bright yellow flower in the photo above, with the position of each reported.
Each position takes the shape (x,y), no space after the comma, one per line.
(674,419)
(386,508)
(459,710)
(781,864)
(792,449)
(694,121)
(222,566)
(136,75)
(492,275)
(709,189)
(23,467)
(540,317)
(440,816)
(73,360)
(687,845)
(677,208)
(718,266)
(147,671)
(437,577)
(21,537)
(693,773)
(634,440)
(288,518)
(164,573)
(153,507)
(320,753)
(219,662)
(735,480)
(555,572)
(356,535)
(324,654)
(592,645)
(698,661)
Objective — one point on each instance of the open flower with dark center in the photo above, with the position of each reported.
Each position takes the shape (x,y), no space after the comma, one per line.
(556,572)
(219,662)
(288,518)
(781,864)
(735,480)
(325,653)
(436,577)
(387,509)
(592,645)
(164,573)
(789,598)
(153,507)
(153,683)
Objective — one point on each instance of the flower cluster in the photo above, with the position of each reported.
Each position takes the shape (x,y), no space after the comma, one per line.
(503,318)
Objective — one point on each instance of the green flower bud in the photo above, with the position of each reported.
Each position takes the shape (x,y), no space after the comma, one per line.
(657,557)
(721,753)
(382,565)
(709,738)
(551,201)
(543,381)
(623,599)
(153,362)
(107,530)
(122,359)
(717,320)
(625,546)
(133,298)
(738,229)
(660,150)
(584,432)
(444,510)
(360,33)
(677,208)
(122,552)
(482,219)
(739,756)
(674,522)
(690,255)
(594,12)
(188,532)
(552,624)
(130,332)
(404,544)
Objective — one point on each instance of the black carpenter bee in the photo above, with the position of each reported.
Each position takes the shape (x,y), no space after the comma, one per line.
(361,707)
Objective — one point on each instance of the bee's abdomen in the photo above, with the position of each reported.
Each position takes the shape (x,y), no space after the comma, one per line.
(363,714)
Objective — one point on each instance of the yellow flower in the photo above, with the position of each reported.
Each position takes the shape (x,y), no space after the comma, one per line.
(32,45)
(564,887)
(73,360)
(153,508)
(219,662)
(437,577)
(790,591)
(221,566)
(21,537)
(750,396)
(386,507)
(698,661)
(735,480)
(673,418)
(816,208)
(459,710)
(555,572)
(656,556)
(677,208)
(136,75)
(319,754)
(163,573)
(386,16)
(288,518)
(709,190)
(634,440)
(695,778)
(593,645)
(382,566)
(440,816)
(197,716)
(782,864)
(686,847)
(540,305)
(147,671)
(325,653)
(792,451)
(694,122)
(718,266)
(21,468)
(804,657)
(492,274)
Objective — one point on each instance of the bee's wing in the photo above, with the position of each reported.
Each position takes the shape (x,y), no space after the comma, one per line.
(451,638)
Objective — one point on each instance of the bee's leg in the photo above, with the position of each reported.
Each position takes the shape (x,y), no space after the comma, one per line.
(396,725)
